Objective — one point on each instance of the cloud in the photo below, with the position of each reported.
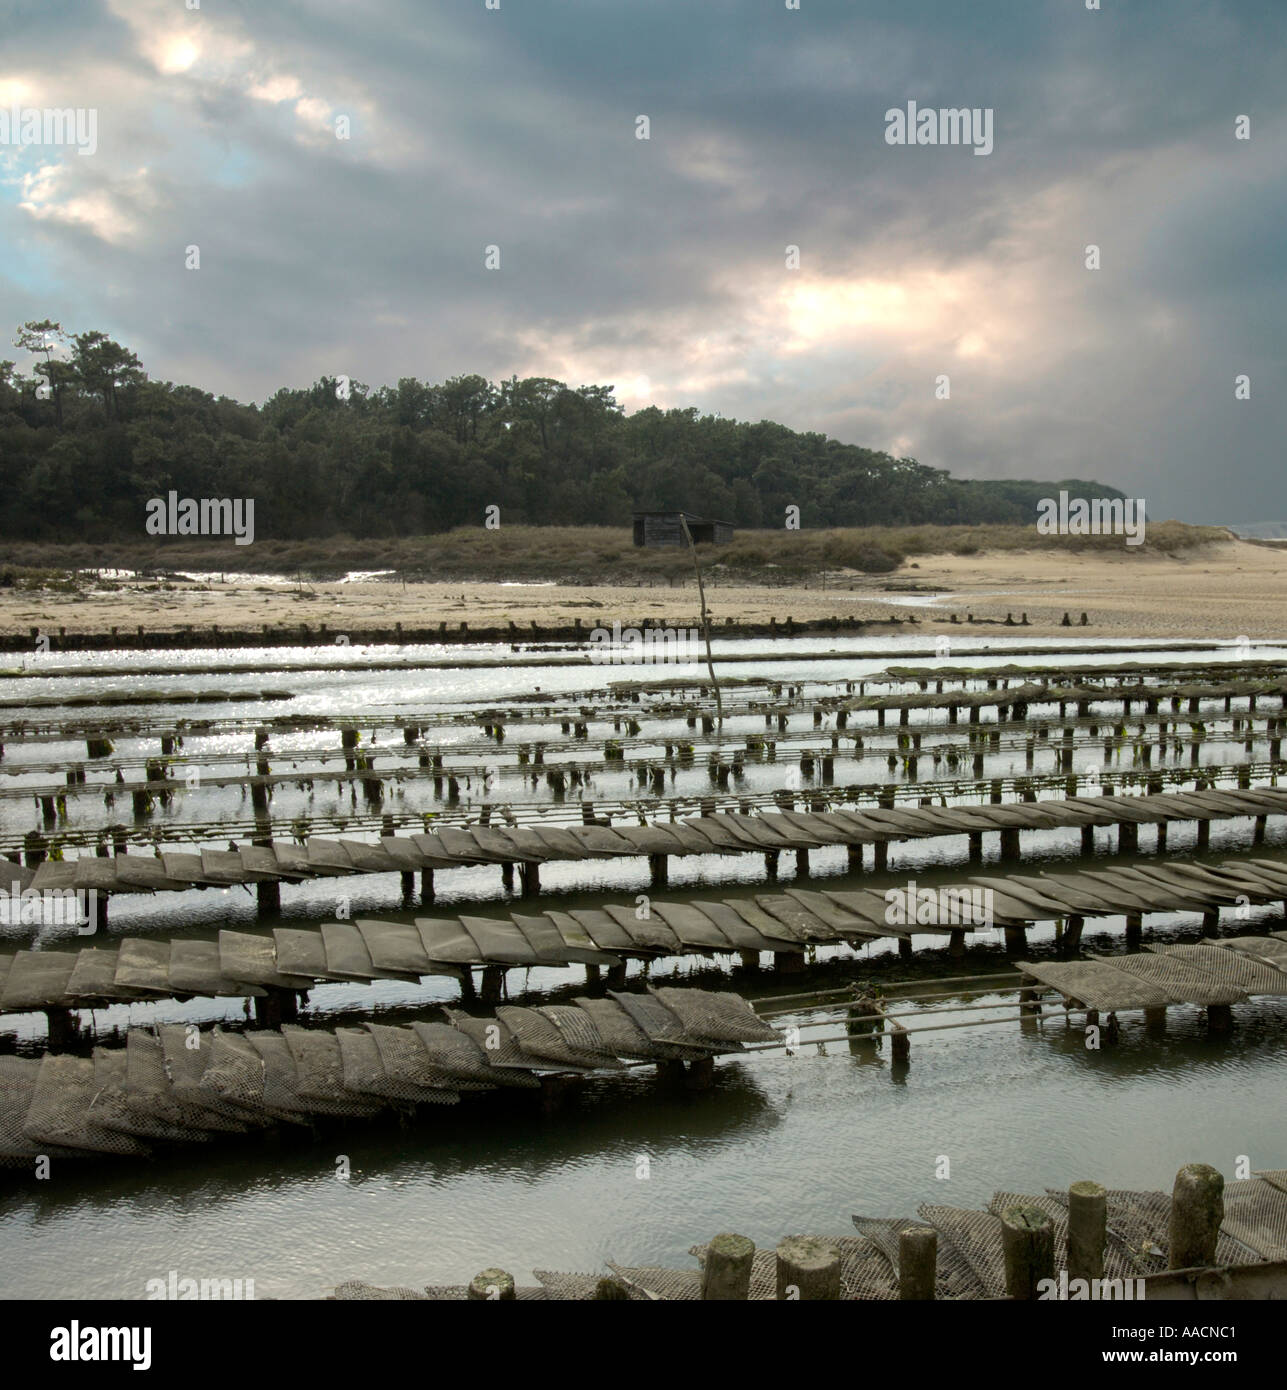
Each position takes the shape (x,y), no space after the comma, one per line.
(660,265)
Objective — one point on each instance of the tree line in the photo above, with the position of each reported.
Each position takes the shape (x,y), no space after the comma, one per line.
(87,438)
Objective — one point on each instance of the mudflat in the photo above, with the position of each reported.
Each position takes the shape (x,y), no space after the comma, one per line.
(1215,591)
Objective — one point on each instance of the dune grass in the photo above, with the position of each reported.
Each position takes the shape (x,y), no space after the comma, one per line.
(579,555)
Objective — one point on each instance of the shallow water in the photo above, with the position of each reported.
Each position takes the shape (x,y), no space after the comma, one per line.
(630,1171)
(780,1145)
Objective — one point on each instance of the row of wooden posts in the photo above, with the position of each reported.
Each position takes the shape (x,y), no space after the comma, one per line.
(98,745)
(809,1267)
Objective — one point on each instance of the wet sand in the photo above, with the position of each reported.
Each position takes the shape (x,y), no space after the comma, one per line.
(1218,591)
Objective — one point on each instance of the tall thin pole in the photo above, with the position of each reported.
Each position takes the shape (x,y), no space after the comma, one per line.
(706,623)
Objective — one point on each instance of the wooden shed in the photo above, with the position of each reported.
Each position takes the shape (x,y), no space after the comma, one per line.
(663,528)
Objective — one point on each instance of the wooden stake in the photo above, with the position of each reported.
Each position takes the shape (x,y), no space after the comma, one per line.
(706,622)
(917,1263)
(808,1269)
(492,1286)
(1028,1242)
(726,1270)
(1087,1230)
(1197,1209)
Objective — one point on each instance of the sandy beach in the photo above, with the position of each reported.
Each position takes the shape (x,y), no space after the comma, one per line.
(1215,591)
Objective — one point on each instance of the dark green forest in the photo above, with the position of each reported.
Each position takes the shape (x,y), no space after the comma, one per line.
(86,438)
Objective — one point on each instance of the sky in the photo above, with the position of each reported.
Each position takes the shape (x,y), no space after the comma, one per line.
(343,170)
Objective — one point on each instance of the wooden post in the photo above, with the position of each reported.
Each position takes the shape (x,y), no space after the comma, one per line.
(659,864)
(1028,1243)
(1134,928)
(701,1074)
(426,885)
(1088,839)
(617,976)
(900,1041)
(858,1020)
(802,863)
(917,1263)
(408,883)
(976,847)
(726,1269)
(60,1025)
(1072,935)
(771,864)
(1197,1209)
(749,960)
(493,980)
(855,859)
(808,1269)
(956,943)
(530,878)
(1219,1018)
(706,625)
(881,855)
(555,1089)
(97,910)
(1010,843)
(905,951)
(1087,1230)
(268,897)
(492,1285)
(788,962)
(1204,833)
(1128,837)
(1016,940)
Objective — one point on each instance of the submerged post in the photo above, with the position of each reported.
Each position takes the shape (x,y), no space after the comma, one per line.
(1071,943)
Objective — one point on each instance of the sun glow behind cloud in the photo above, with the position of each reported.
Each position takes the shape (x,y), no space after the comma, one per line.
(658,266)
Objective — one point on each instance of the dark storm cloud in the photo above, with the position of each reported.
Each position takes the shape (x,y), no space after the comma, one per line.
(659,265)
